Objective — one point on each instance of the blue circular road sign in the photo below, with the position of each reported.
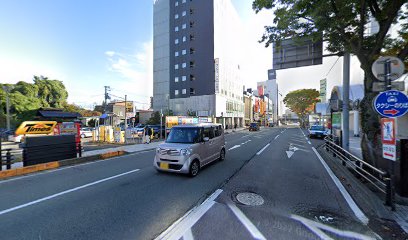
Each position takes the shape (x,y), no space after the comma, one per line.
(391,103)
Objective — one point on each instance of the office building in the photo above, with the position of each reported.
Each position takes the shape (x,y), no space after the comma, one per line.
(196,59)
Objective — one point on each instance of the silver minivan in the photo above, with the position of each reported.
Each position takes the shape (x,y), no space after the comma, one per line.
(190,147)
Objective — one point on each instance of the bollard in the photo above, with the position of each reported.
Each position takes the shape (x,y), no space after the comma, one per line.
(390,193)
(80,149)
(8,159)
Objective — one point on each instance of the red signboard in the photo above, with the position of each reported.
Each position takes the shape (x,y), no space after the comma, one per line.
(388,131)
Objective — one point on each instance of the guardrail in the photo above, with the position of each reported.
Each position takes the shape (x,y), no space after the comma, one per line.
(378,178)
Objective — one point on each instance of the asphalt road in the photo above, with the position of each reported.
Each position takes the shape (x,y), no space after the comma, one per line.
(126,198)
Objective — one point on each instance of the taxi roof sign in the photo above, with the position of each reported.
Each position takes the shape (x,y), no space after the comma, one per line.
(36,127)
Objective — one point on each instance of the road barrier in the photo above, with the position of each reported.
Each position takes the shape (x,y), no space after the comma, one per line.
(380,179)
(7,158)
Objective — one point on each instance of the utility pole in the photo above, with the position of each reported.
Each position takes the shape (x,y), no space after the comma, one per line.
(107,88)
(125,117)
(346,97)
(7,90)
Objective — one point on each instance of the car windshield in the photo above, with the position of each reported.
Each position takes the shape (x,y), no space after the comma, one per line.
(183,135)
(253,124)
(317,128)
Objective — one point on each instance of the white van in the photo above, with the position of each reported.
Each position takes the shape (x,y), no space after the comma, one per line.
(190,147)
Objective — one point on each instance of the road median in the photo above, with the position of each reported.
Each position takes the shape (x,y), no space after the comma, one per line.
(56,164)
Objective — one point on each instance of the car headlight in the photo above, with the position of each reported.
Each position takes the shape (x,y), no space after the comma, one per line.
(185,152)
(158,150)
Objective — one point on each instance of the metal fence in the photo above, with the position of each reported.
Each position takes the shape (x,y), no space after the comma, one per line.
(378,178)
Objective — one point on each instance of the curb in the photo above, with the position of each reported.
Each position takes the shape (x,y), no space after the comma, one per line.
(56,164)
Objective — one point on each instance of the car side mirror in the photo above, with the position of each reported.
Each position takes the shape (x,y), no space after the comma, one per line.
(206,139)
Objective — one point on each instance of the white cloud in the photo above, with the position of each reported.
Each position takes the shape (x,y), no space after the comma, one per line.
(110,53)
(134,72)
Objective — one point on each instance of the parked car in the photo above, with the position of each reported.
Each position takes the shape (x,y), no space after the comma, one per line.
(189,148)
(254,126)
(317,131)
(85,132)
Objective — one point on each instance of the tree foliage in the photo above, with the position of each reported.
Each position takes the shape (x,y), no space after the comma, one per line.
(26,98)
(342,24)
(301,102)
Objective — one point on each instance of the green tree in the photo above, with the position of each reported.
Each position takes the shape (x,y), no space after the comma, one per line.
(342,24)
(301,102)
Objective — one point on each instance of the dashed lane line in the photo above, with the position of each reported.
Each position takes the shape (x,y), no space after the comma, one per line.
(263,149)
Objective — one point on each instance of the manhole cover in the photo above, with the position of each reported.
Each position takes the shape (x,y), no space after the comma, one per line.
(250,199)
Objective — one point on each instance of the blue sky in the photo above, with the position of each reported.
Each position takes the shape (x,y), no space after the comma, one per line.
(89,44)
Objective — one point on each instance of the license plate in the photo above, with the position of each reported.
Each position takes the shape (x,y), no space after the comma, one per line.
(164,165)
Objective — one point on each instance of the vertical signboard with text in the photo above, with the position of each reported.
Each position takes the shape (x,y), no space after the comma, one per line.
(388,138)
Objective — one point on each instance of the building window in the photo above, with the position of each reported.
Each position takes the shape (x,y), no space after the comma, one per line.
(176,29)
(192,64)
(184,1)
(176,16)
(184,51)
(176,54)
(184,38)
(192,77)
(184,91)
(192,37)
(184,65)
(176,3)
(176,41)
(183,78)
(176,92)
(191,24)
(191,11)
(192,91)
(183,13)
(176,79)
(192,50)
(184,26)
(176,66)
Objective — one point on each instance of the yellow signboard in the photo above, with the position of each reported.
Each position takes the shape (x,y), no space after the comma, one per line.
(36,127)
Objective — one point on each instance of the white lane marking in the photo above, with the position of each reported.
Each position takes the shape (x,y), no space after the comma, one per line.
(246,222)
(245,142)
(72,166)
(188,235)
(236,146)
(276,137)
(263,149)
(65,192)
(178,228)
(245,136)
(309,142)
(317,225)
(356,210)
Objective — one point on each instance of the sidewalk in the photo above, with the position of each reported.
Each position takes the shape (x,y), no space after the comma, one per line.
(127,148)
(228,131)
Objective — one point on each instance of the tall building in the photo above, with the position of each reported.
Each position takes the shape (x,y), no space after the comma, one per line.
(196,59)
(270,88)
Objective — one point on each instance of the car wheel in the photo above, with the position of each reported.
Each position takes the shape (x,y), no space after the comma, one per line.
(194,168)
(222,155)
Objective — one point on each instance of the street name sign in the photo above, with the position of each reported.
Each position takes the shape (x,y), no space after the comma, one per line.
(381,86)
(391,103)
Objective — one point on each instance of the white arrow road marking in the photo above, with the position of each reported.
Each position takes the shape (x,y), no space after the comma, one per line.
(236,146)
(292,150)
(289,153)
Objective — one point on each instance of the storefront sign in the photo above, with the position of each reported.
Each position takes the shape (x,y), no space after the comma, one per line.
(36,127)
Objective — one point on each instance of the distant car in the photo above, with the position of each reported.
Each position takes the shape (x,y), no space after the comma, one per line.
(317,131)
(254,126)
(156,130)
(85,132)
(15,138)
